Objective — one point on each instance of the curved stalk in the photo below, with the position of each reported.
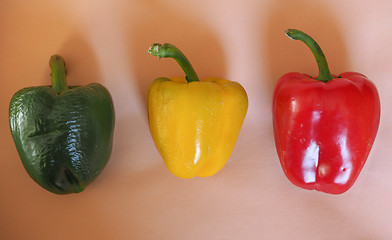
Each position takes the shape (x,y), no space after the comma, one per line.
(168,50)
(324,73)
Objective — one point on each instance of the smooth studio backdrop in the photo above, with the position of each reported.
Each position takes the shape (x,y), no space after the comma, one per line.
(136,197)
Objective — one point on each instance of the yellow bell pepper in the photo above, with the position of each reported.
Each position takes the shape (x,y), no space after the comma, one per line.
(194,124)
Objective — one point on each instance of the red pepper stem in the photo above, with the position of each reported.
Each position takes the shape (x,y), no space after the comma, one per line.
(58,74)
(168,50)
(324,73)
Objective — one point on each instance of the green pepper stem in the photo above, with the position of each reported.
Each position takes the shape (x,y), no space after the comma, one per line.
(168,50)
(58,74)
(324,73)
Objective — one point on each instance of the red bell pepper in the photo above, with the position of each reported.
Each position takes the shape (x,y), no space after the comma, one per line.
(324,127)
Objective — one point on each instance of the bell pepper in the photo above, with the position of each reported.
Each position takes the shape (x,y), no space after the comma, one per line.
(63,134)
(324,127)
(194,124)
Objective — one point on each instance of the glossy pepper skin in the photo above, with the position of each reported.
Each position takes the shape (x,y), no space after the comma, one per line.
(324,128)
(63,134)
(194,124)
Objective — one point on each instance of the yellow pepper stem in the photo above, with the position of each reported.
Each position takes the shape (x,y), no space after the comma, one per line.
(168,50)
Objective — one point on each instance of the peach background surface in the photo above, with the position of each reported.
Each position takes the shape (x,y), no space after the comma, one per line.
(136,197)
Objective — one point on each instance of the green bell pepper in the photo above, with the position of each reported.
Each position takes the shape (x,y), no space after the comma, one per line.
(63,134)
